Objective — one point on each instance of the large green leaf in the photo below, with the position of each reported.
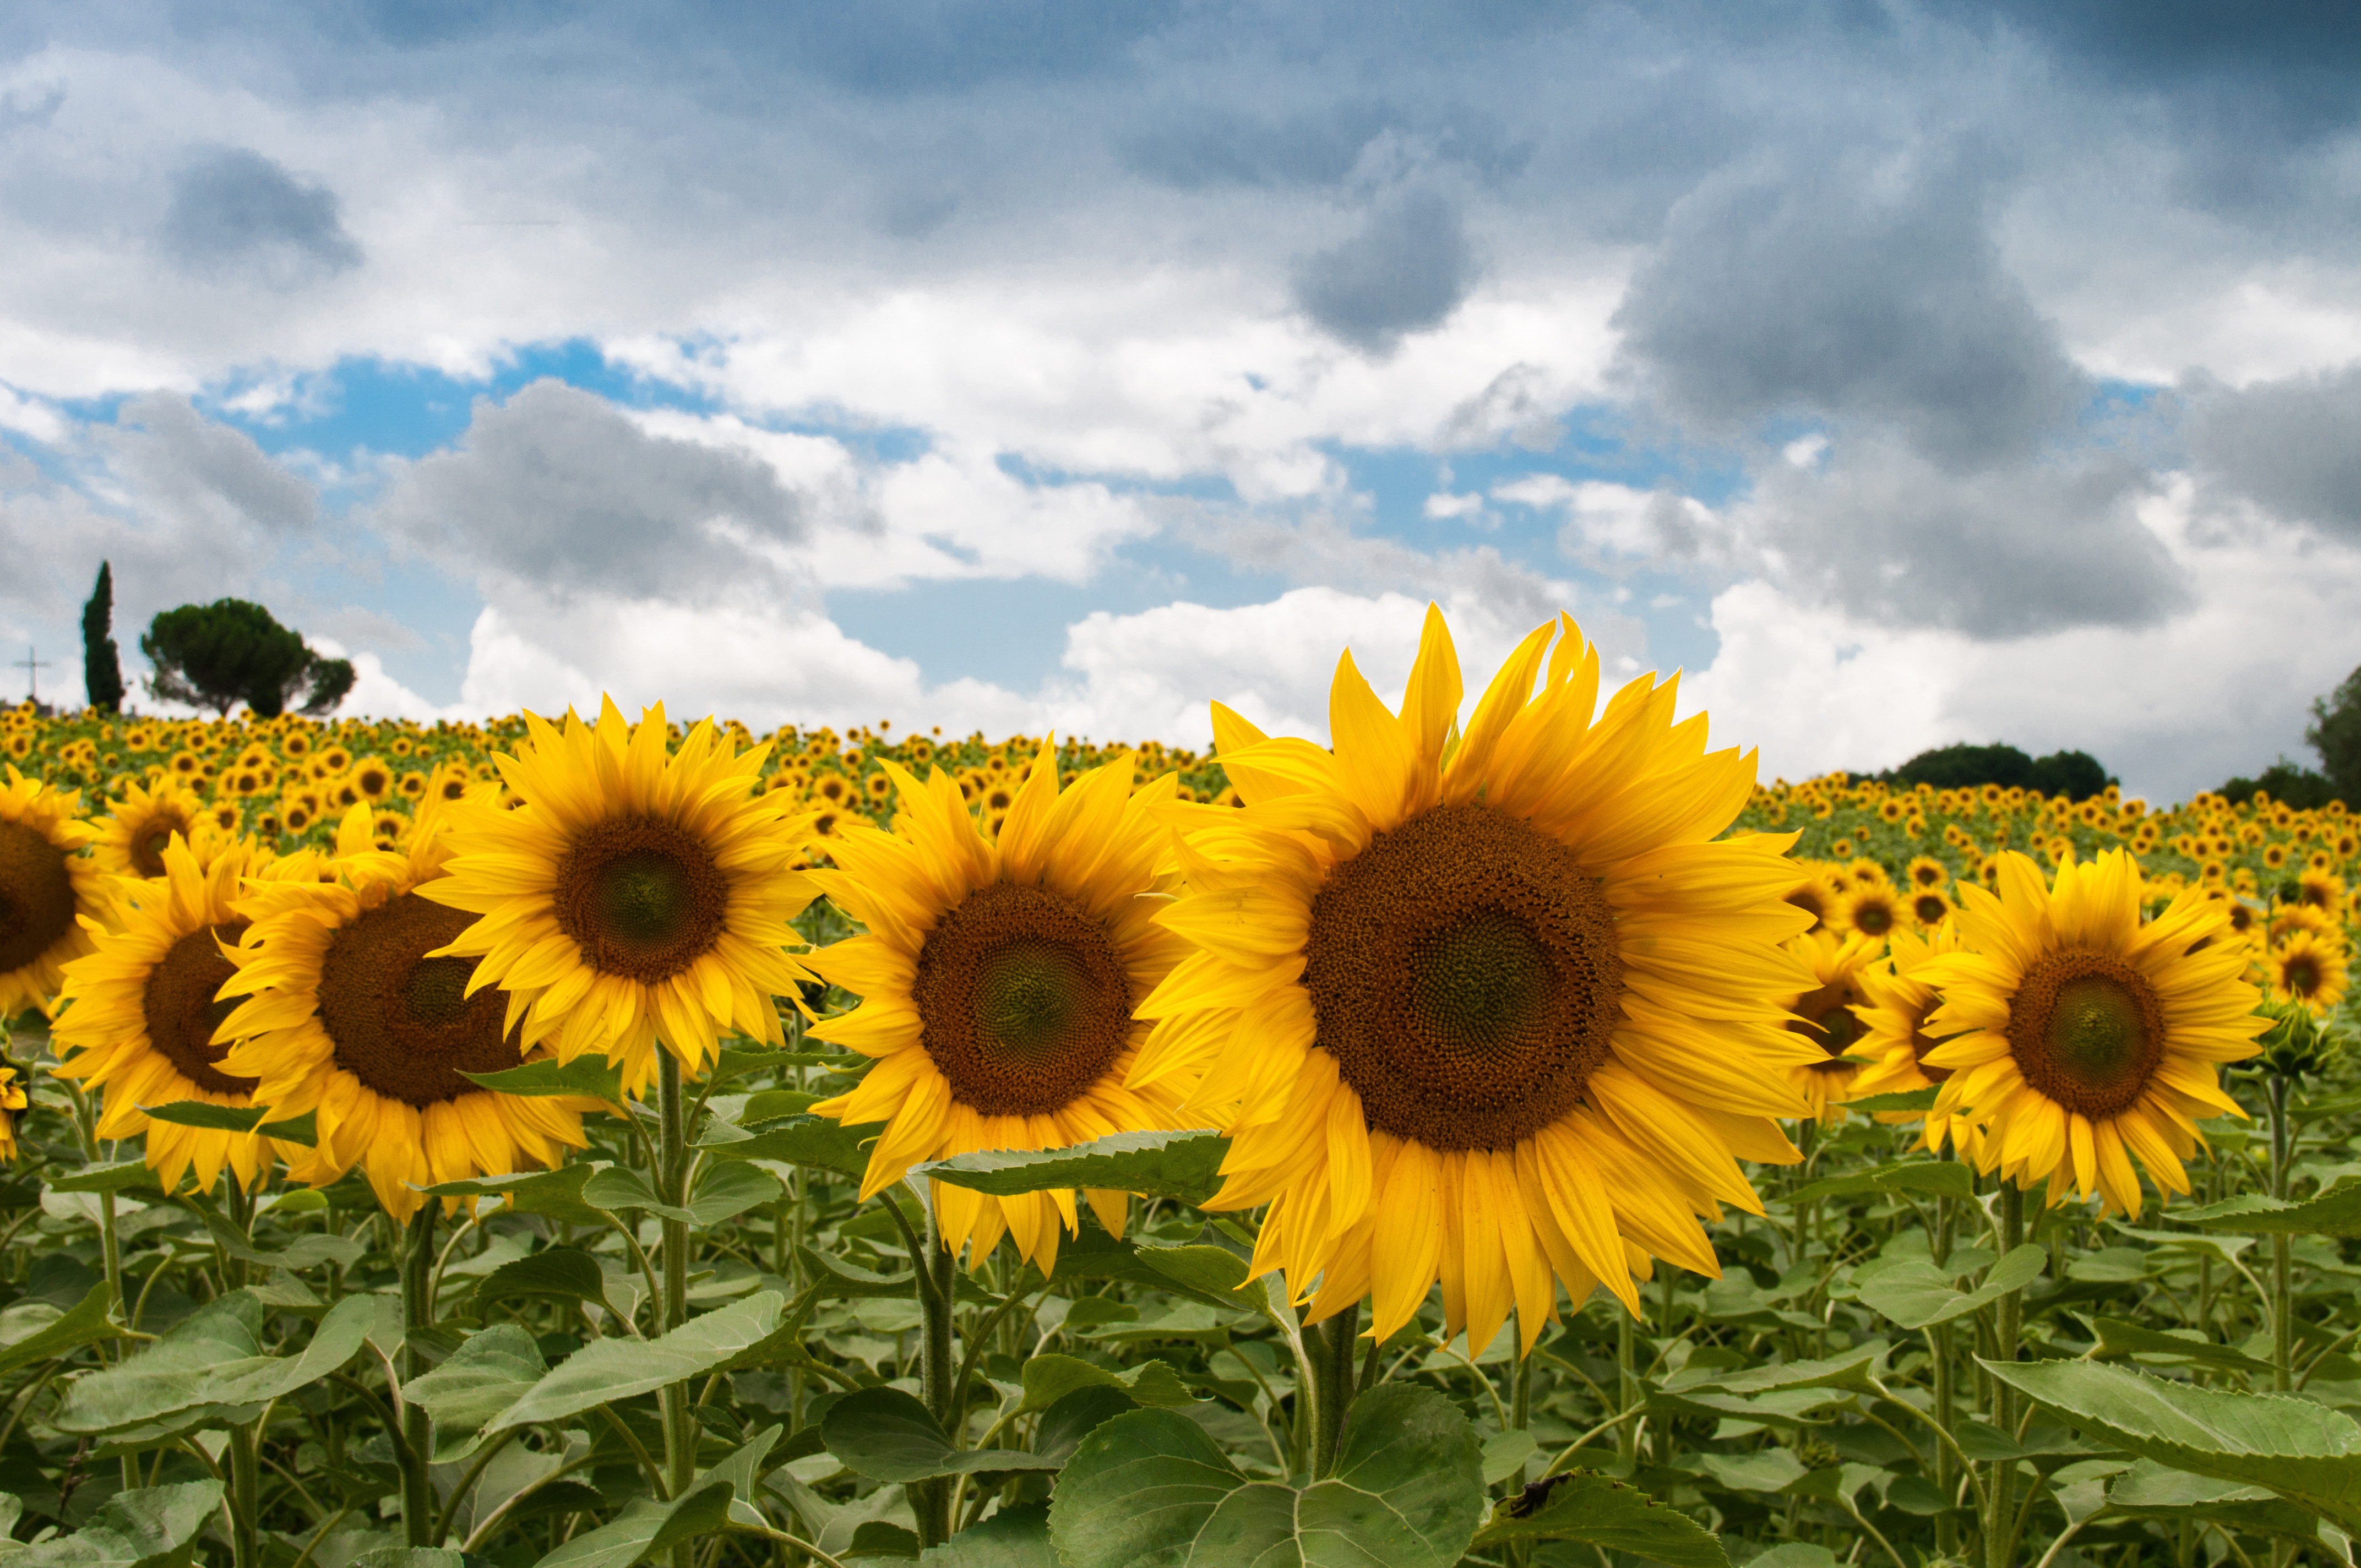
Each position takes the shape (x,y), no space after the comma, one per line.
(2153,1491)
(115,1176)
(210,1369)
(714,1500)
(2335,1212)
(1901,1101)
(1581,1506)
(592,1078)
(33,1331)
(1919,1295)
(813,1141)
(727,1189)
(2306,1452)
(1050,1379)
(1012,1537)
(1852,1370)
(1185,1165)
(2118,1338)
(1150,1485)
(1936,1178)
(886,1435)
(489,1372)
(150,1527)
(559,1273)
(610,1369)
(554,1194)
(210,1117)
(306,1251)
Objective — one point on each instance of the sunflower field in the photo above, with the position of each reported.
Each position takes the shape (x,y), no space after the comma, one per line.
(1511,1135)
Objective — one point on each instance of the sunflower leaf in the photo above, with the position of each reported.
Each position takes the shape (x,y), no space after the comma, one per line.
(1944,1178)
(619,1188)
(716,1500)
(561,1273)
(617,1368)
(2335,1212)
(150,1527)
(35,1330)
(1920,1100)
(2152,1491)
(728,1188)
(2306,1452)
(119,1176)
(554,1194)
(1180,1164)
(1919,1295)
(307,1251)
(1407,1491)
(2118,1339)
(210,1368)
(592,1078)
(812,1141)
(304,1130)
(1048,1379)
(489,1372)
(1012,1537)
(886,1435)
(1593,1511)
(212,1118)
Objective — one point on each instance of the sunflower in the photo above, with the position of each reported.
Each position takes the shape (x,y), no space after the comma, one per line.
(12,1103)
(1823,1012)
(1486,1007)
(2321,888)
(1893,1017)
(998,980)
(132,838)
(1925,871)
(48,893)
(2086,1036)
(633,894)
(1818,897)
(1930,907)
(1872,909)
(144,1028)
(350,1014)
(2307,969)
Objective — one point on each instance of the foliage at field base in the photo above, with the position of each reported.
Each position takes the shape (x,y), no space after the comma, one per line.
(1144,1395)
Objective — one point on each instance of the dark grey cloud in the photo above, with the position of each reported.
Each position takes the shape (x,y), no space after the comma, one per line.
(235,212)
(169,457)
(558,489)
(1407,269)
(2292,447)
(2007,551)
(1828,288)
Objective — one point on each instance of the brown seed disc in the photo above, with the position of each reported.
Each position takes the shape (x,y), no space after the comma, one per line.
(2087,1031)
(1921,1042)
(1022,999)
(1826,1018)
(1873,916)
(183,1012)
(402,1022)
(37,897)
(642,898)
(1465,974)
(153,836)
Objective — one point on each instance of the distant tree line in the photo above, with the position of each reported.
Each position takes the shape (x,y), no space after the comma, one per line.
(2077,775)
(2334,733)
(211,655)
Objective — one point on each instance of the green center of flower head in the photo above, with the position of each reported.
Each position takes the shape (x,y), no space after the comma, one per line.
(1480,982)
(436,991)
(644,897)
(2087,1030)
(1023,999)
(1029,995)
(2095,1030)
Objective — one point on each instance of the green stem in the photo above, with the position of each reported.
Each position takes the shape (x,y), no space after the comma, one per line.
(1627,1389)
(938,1367)
(1332,1349)
(1941,1349)
(671,1183)
(245,1486)
(417,1314)
(2000,1523)
(2282,1243)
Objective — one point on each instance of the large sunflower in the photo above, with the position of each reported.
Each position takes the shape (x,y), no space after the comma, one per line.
(2084,1036)
(2306,967)
(141,1029)
(1824,1013)
(46,892)
(1484,1007)
(633,895)
(352,1014)
(139,827)
(998,977)
(1894,1031)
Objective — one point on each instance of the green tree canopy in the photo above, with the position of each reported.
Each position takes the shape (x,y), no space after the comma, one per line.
(219,654)
(2077,775)
(101,671)
(2336,733)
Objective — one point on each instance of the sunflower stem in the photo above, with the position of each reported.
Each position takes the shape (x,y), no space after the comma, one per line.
(245,1486)
(417,1314)
(938,1366)
(1940,1350)
(2282,1243)
(1333,1355)
(2000,1525)
(672,1190)
(1627,1388)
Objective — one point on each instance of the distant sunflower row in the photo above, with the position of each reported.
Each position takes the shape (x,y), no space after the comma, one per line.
(1502,1004)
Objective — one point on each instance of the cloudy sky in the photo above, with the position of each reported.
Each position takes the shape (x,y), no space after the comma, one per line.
(1905,373)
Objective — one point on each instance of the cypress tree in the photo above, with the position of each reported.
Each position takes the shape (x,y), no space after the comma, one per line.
(102,673)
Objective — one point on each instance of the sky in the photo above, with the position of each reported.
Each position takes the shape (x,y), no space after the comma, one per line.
(1901,374)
